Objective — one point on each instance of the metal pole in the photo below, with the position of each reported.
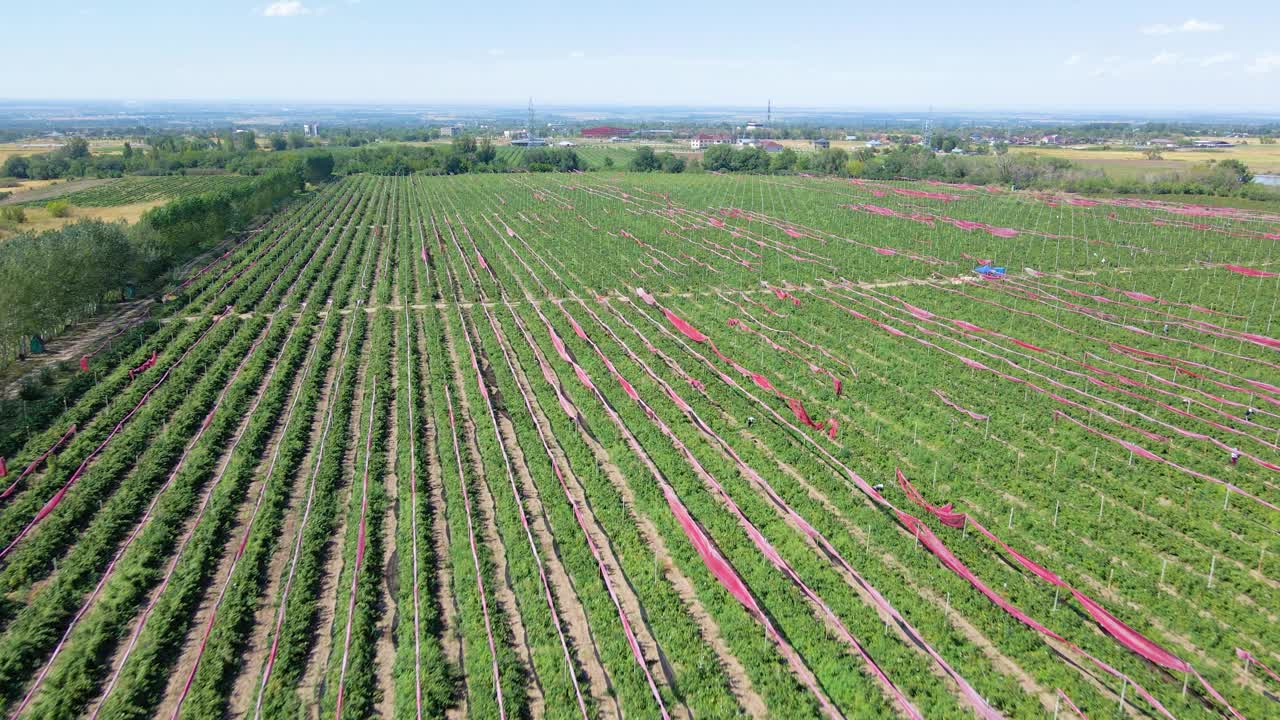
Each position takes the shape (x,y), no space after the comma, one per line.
(1163,565)
(1102,501)
(1212,565)
(1057,504)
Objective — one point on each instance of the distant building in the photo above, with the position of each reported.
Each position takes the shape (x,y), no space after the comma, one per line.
(566,143)
(619,139)
(746,141)
(451,130)
(605,131)
(850,138)
(822,143)
(755,125)
(1213,144)
(529,142)
(874,143)
(311,129)
(703,141)
(770,146)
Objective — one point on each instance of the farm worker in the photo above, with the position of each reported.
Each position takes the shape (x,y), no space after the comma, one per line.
(1248,414)
(751,420)
(878,487)
(1166,328)
(1235,456)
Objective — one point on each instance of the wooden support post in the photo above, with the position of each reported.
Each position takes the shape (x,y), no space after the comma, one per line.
(1056,505)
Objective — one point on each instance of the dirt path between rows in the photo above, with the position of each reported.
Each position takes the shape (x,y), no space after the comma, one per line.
(311,686)
(488,531)
(384,653)
(49,192)
(191,645)
(79,340)
(245,687)
(118,654)
(451,635)
(572,614)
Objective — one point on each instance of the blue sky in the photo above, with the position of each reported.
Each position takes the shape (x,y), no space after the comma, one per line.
(981,55)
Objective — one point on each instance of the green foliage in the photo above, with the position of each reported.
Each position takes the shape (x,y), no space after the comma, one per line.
(17,166)
(318,167)
(544,159)
(13,214)
(58,208)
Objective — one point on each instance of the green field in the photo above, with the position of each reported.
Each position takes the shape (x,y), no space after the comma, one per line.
(140,189)
(606,445)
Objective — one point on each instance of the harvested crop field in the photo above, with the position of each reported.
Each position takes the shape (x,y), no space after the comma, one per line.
(601,445)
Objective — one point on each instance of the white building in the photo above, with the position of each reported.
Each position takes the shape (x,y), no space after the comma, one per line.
(704,140)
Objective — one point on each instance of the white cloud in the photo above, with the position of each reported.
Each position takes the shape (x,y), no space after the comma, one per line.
(1265,63)
(1218,59)
(1073,60)
(286,8)
(1202,26)
(1165,58)
(577,54)
(497,52)
(1190,26)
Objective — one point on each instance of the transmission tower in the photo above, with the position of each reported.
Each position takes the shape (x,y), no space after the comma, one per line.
(530,132)
(768,116)
(927,132)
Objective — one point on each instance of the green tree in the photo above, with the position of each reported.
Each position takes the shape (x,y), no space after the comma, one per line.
(127,153)
(486,153)
(278,142)
(247,140)
(16,166)
(645,160)
(318,167)
(76,147)
(58,208)
(670,163)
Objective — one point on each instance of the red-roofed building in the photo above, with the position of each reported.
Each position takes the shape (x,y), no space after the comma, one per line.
(704,140)
(605,132)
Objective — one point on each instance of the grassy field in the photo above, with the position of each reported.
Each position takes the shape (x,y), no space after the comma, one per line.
(107,199)
(39,219)
(1129,163)
(619,445)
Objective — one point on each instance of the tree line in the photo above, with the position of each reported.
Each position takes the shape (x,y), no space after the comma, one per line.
(51,279)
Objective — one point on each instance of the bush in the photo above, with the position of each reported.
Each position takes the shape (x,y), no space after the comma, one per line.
(58,208)
(13,214)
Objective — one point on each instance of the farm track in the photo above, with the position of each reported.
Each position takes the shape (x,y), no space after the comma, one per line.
(390,614)
(241,696)
(628,546)
(223,461)
(311,686)
(485,510)
(246,515)
(451,633)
